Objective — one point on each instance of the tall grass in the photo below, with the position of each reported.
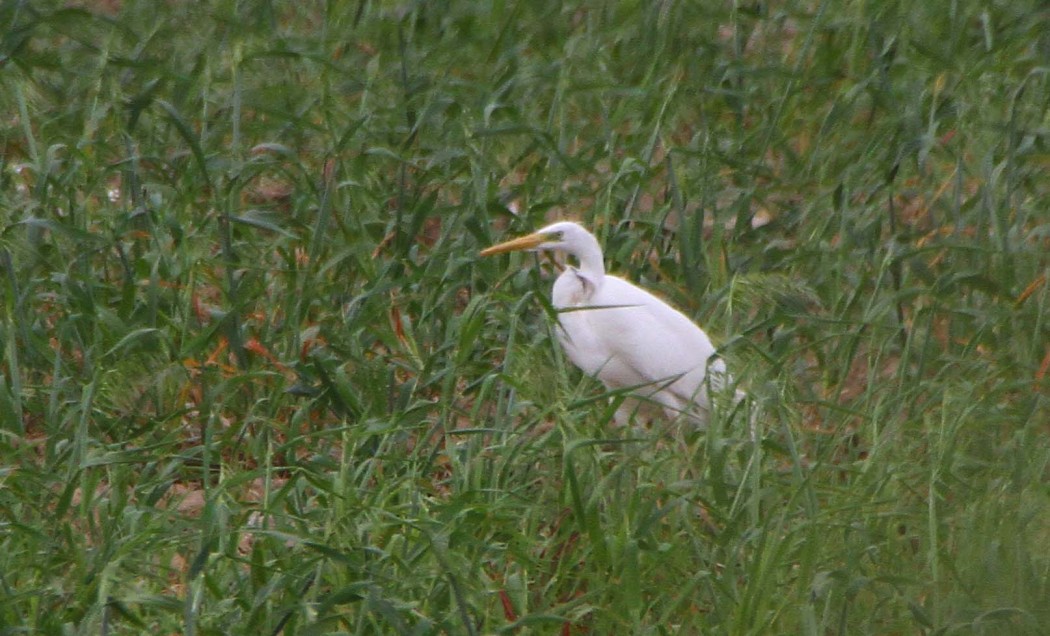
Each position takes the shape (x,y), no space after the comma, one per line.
(255,379)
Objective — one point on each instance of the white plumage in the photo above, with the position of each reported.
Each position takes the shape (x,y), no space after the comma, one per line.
(622,334)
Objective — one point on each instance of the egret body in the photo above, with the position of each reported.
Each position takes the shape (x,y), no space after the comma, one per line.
(623,335)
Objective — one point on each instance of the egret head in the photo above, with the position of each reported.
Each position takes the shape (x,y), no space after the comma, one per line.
(564,236)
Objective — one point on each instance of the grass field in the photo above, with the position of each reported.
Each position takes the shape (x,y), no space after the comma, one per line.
(256,379)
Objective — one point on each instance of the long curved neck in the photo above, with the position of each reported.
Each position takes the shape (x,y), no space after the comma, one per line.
(589,254)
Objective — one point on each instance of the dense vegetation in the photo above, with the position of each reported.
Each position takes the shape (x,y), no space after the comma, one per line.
(256,380)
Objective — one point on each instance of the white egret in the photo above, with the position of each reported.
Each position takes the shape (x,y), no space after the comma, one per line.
(623,335)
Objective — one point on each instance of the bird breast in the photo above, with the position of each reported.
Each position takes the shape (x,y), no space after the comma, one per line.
(572,289)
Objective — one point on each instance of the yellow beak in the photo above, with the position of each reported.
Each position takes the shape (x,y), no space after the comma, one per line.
(516,245)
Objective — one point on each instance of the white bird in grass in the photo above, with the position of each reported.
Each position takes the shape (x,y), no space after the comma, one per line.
(623,335)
